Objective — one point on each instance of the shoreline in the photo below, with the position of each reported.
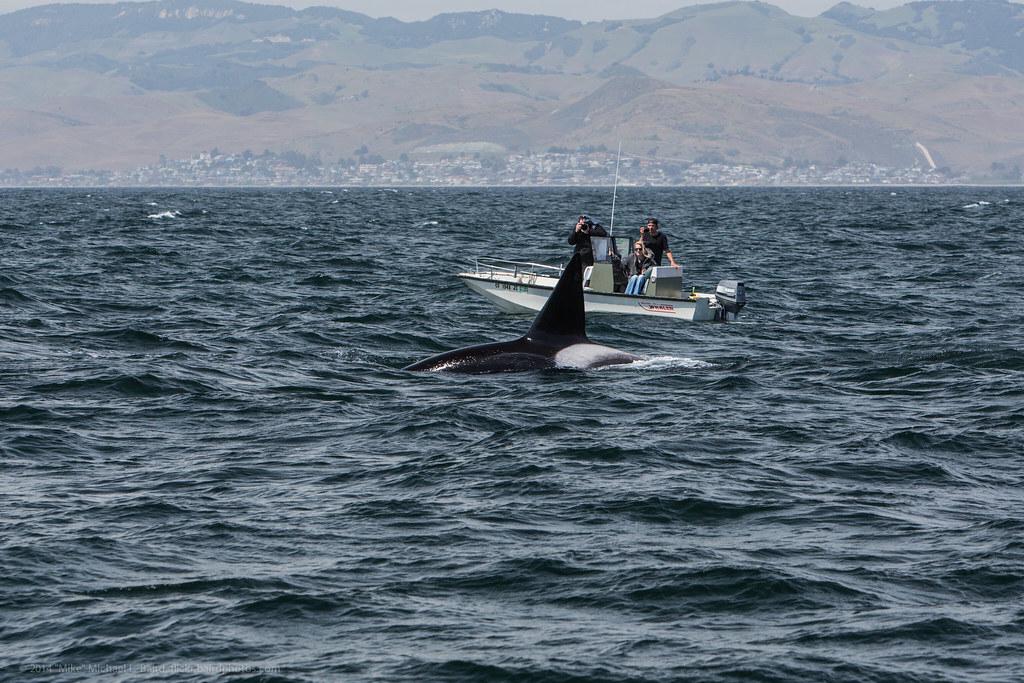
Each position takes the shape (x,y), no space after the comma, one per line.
(419,186)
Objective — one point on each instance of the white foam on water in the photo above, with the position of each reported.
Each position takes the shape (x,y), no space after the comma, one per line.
(667,363)
(165,214)
(974,205)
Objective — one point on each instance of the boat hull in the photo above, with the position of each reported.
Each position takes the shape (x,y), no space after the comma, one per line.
(527,293)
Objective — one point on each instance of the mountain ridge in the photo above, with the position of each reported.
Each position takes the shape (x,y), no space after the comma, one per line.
(116,85)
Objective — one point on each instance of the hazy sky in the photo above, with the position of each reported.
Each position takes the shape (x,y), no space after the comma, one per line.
(571,9)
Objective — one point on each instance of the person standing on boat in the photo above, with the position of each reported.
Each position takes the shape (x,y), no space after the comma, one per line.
(580,239)
(656,241)
(638,268)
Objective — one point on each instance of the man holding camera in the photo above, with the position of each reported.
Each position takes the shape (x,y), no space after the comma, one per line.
(580,239)
(656,241)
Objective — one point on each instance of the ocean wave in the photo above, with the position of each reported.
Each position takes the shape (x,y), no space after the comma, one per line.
(737,590)
(213,586)
(13,297)
(456,670)
(669,509)
(135,338)
(879,471)
(946,630)
(27,414)
(141,385)
(324,280)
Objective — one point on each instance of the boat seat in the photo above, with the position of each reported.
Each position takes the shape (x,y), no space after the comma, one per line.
(599,278)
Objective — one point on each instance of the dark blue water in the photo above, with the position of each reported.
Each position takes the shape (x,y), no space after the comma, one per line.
(211,464)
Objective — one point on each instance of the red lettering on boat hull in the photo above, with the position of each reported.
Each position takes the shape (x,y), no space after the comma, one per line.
(658,308)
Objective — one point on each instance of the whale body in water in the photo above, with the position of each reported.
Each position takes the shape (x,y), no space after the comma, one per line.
(557,339)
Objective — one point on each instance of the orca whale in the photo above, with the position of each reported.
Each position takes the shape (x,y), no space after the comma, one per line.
(557,339)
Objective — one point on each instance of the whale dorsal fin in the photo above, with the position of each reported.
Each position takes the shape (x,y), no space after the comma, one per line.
(563,315)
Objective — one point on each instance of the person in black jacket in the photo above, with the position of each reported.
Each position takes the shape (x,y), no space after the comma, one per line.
(580,239)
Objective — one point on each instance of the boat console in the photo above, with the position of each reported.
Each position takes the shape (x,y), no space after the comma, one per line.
(666,281)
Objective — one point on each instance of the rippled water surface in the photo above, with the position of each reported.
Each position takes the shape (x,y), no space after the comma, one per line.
(210,457)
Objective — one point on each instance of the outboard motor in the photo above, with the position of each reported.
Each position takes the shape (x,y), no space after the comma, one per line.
(732,296)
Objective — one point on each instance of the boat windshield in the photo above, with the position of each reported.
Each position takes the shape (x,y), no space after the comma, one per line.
(622,246)
(604,247)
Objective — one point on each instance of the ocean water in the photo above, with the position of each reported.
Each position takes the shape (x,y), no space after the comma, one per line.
(213,466)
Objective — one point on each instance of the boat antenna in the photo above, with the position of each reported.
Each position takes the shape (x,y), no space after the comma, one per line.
(615,187)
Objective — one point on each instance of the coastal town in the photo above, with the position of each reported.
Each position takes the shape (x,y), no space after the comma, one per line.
(558,167)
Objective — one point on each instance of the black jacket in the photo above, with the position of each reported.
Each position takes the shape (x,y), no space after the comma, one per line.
(582,245)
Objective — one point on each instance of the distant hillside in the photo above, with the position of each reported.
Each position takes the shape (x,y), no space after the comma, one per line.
(993,31)
(117,85)
(57,26)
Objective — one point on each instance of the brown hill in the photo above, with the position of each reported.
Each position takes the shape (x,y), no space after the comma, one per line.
(114,86)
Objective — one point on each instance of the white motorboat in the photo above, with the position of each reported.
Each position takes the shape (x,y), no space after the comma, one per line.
(520,287)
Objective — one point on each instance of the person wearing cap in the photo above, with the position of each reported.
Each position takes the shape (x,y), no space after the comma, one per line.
(580,239)
(656,241)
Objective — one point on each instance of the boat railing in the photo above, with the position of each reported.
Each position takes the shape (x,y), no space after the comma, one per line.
(485,265)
